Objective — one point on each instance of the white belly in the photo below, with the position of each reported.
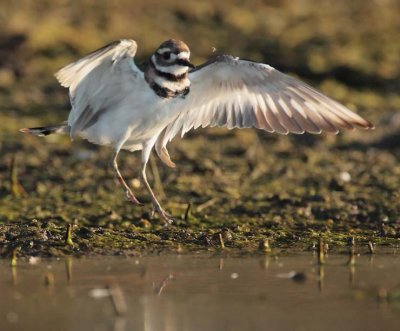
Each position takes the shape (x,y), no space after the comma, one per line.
(135,120)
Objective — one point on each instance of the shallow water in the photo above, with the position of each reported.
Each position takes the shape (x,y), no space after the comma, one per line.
(202,292)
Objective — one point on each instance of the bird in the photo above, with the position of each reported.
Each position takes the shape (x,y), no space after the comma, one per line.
(115,102)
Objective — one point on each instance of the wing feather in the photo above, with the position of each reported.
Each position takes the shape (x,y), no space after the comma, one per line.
(227,91)
(98,82)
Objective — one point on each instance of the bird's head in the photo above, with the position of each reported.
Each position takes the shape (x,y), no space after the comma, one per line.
(172,54)
(167,72)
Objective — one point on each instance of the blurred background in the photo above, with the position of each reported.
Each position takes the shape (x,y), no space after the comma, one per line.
(348,49)
(340,45)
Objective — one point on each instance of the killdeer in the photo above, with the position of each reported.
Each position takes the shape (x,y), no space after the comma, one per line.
(115,103)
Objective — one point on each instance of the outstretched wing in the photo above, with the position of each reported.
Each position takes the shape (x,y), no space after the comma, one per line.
(227,91)
(99,81)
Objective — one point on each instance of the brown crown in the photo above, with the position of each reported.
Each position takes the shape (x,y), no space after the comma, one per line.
(176,46)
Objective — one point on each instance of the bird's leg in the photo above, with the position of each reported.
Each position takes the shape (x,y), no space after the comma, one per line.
(156,205)
(128,191)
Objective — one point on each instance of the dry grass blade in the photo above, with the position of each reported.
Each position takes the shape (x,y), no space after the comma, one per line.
(15,187)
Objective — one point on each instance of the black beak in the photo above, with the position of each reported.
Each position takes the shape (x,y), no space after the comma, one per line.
(185,62)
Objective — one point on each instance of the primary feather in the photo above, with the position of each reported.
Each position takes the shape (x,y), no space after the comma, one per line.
(99,82)
(227,91)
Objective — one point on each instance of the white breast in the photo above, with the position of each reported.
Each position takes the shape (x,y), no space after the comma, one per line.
(141,116)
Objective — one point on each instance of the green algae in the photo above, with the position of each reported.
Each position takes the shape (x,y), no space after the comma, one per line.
(254,186)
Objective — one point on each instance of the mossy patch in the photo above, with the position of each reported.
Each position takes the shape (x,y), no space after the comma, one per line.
(244,185)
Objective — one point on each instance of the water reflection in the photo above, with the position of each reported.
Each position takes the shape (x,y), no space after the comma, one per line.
(14,275)
(321,277)
(201,293)
(159,288)
(68,267)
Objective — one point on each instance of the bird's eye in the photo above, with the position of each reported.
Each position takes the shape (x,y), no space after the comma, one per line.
(166,55)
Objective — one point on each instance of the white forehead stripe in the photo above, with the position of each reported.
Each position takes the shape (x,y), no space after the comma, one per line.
(163,50)
(184,55)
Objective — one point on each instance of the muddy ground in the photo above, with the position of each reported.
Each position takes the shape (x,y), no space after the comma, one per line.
(243,186)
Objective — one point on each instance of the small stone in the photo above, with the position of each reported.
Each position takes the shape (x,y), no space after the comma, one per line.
(226,234)
(298,277)
(144,223)
(99,293)
(135,183)
(114,216)
(345,176)
(34,260)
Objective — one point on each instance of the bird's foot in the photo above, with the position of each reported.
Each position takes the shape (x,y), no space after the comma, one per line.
(166,217)
(132,198)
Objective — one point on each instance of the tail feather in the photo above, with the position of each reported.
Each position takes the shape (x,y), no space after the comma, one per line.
(46,130)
